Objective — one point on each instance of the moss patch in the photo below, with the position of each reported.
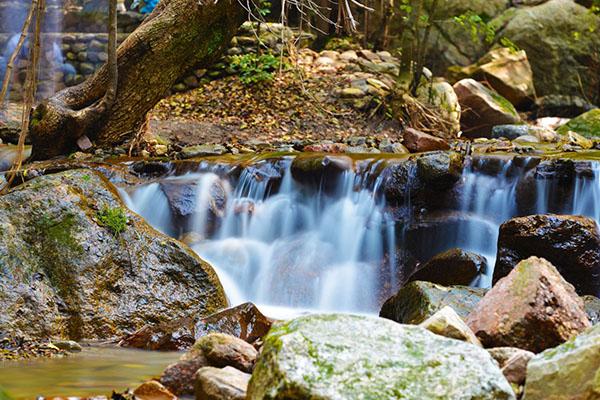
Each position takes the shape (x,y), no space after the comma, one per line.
(113,218)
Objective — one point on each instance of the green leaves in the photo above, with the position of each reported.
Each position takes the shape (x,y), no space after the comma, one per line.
(253,68)
(113,218)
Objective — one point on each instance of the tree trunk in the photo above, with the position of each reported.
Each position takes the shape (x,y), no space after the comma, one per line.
(177,36)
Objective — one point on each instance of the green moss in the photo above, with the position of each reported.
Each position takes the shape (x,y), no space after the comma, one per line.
(587,124)
(113,218)
(503,103)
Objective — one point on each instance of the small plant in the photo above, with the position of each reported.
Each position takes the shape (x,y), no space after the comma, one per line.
(255,68)
(113,218)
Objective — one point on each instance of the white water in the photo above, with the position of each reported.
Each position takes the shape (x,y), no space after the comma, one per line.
(287,245)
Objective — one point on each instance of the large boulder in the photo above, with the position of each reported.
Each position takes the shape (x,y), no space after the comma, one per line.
(570,243)
(508,72)
(483,108)
(359,357)
(587,124)
(569,371)
(417,301)
(533,308)
(452,267)
(561,39)
(75,263)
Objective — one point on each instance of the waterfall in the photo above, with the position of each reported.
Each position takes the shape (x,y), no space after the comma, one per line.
(337,245)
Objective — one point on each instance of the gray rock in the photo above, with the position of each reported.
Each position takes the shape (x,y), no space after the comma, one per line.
(202,150)
(357,357)
(569,371)
(592,308)
(221,384)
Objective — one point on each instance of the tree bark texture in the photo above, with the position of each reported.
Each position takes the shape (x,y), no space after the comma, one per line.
(178,35)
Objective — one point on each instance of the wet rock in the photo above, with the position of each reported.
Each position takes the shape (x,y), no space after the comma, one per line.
(482,109)
(153,390)
(440,169)
(452,267)
(67,345)
(223,350)
(586,125)
(570,243)
(244,321)
(447,323)
(80,265)
(221,384)
(592,308)
(569,371)
(533,308)
(417,141)
(389,361)
(513,132)
(179,377)
(168,336)
(513,362)
(203,150)
(545,33)
(417,301)
(394,148)
(317,169)
(576,140)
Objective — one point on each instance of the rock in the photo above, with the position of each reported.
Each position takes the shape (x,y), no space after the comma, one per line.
(417,141)
(569,371)
(153,390)
(513,132)
(447,323)
(440,169)
(452,267)
(244,321)
(351,93)
(441,96)
(513,362)
(570,243)
(394,148)
(533,308)
(558,36)
(565,106)
(317,169)
(179,377)
(482,109)
(223,350)
(161,149)
(67,345)
(508,72)
(417,301)
(349,55)
(575,139)
(586,125)
(203,150)
(82,266)
(389,361)
(527,139)
(167,336)
(221,384)
(592,308)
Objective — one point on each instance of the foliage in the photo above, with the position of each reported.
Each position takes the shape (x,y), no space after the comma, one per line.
(342,44)
(255,68)
(113,218)
(477,26)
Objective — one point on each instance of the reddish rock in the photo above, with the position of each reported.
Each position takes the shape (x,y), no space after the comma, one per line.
(244,321)
(417,141)
(570,243)
(153,390)
(179,377)
(533,308)
(325,148)
(513,362)
(169,336)
(223,350)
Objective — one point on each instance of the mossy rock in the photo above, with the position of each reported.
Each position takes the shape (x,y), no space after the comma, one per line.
(335,356)
(587,124)
(69,270)
(569,371)
(419,300)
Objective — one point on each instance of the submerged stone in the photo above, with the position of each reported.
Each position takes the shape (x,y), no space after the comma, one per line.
(357,357)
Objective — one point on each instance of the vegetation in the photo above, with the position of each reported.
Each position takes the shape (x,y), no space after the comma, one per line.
(254,69)
(113,218)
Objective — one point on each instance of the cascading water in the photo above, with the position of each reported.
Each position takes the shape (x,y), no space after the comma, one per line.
(337,245)
(288,245)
